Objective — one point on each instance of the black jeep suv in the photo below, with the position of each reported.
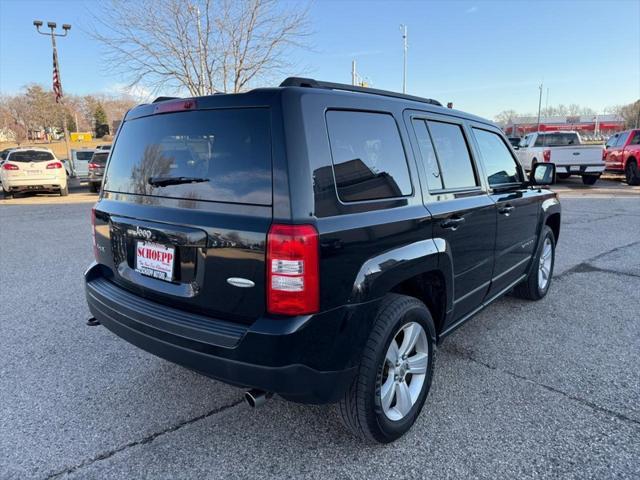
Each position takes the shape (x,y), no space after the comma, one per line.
(315,240)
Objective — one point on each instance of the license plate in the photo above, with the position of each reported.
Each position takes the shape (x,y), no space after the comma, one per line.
(155,260)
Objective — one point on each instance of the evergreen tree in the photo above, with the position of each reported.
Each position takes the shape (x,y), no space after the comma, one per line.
(101,125)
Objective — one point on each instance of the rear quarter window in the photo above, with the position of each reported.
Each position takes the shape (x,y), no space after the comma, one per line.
(228,150)
(369,161)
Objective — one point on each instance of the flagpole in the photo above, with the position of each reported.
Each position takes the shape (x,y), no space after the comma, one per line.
(56,66)
(64,112)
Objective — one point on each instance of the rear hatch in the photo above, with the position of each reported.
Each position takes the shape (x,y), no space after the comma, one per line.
(35,166)
(186,206)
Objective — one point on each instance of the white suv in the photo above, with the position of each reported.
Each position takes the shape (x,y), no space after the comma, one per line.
(33,169)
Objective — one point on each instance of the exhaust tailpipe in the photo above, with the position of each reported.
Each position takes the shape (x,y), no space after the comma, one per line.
(256,398)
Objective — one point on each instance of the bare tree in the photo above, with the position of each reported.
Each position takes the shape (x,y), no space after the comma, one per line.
(506,116)
(631,114)
(204,46)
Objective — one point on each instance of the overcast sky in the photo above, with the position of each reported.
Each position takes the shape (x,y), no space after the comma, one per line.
(484,56)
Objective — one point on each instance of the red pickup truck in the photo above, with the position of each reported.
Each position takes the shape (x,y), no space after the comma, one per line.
(622,154)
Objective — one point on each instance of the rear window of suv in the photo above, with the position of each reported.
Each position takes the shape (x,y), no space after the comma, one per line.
(369,162)
(30,156)
(100,158)
(227,154)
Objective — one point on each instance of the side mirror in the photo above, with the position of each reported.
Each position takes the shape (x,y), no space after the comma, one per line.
(543,174)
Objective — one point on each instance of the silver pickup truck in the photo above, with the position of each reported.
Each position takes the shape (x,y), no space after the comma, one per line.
(566,150)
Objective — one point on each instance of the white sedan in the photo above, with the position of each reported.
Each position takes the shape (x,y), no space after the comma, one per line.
(35,170)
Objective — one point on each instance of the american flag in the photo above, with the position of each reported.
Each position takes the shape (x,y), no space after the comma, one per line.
(57,85)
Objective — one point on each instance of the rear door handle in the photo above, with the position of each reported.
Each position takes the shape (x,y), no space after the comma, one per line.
(452,223)
(506,210)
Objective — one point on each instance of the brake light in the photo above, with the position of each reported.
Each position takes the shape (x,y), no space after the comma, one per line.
(93,166)
(292,270)
(10,166)
(93,232)
(175,106)
(546,156)
(54,165)
(604,154)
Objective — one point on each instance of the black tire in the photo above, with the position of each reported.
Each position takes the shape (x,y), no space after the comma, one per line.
(93,187)
(590,179)
(529,288)
(6,195)
(563,176)
(64,191)
(632,173)
(360,409)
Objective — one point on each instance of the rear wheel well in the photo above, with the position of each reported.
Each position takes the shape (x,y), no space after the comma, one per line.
(631,159)
(429,288)
(554,223)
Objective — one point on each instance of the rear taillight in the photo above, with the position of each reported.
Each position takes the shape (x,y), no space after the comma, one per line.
(292,270)
(93,166)
(54,165)
(93,232)
(546,156)
(604,154)
(10,166)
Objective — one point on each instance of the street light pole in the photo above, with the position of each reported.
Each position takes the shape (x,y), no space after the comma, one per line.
(65,27)
(539,107)
(403,29)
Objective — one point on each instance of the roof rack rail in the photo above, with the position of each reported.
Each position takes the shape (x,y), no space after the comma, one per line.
(162,99)
(311,83)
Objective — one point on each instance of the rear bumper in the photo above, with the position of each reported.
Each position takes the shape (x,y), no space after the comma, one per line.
(580,169)
(46,184)
(310,359)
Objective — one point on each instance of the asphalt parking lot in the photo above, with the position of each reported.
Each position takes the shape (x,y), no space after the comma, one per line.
(525,390)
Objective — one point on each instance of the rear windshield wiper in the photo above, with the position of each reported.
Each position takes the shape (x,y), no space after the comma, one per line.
(164,181)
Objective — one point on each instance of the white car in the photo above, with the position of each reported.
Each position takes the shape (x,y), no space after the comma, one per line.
(35,170)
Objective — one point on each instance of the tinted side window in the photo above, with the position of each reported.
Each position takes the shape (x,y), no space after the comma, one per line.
(622,139)
(369,162)
(453,155)
(636,139)
(498,162)
(434,179)
(612,140)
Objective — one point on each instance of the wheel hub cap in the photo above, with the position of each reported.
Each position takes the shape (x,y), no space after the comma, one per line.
(404,371)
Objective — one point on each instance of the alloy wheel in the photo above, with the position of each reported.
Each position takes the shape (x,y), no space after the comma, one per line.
(404,371)
(544,267)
